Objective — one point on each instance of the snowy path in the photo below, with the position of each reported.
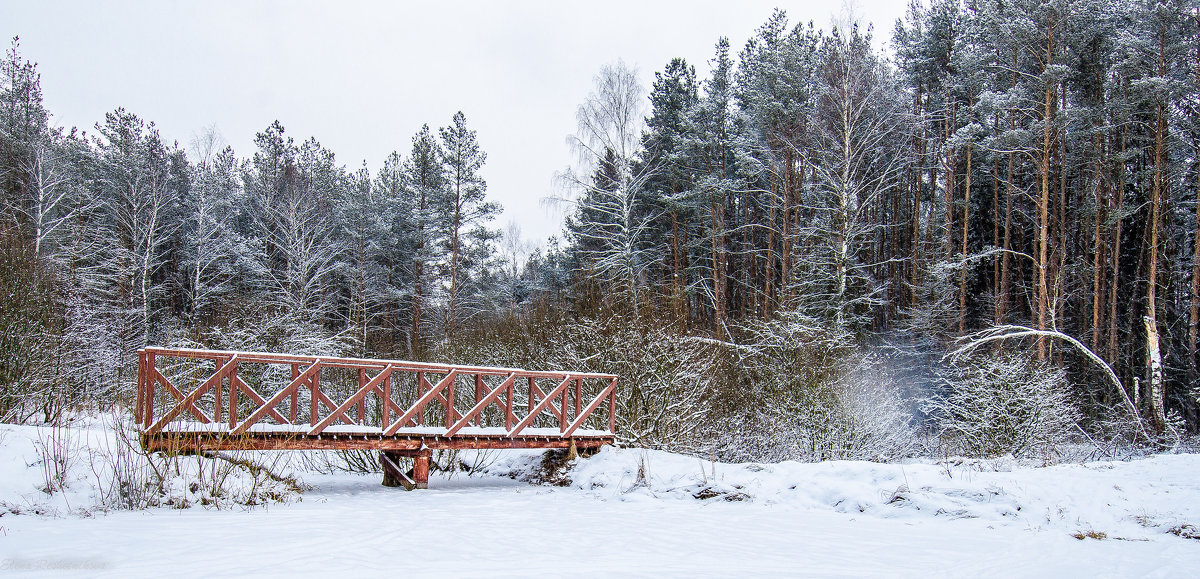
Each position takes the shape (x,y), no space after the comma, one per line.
(490,527)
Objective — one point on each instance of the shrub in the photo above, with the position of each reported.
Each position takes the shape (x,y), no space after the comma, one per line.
(1003,404)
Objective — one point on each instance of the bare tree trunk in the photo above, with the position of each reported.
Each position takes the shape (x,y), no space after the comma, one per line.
(789,189)
(918,190)
(962,272)
(1154,355)
(769,273)
(1003,300)
(950,162)
(1043,290)
(1194,310)
(996,230)
(718,259)
(684,267)
(1097,259)
(1118,228)
(452,305)
(418,280)
(677,301)
(1006,259)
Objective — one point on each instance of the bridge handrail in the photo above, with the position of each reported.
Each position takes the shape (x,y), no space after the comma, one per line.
(335,361)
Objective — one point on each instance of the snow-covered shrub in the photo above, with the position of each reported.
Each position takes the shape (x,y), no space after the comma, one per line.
(876,421)
(90,464)
(857,414)
(789,389)
(808,395)
(29,320)
(1003,404)
(124,477)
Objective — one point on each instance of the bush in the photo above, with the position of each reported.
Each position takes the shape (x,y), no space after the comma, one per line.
(807,394)
(856,413)
(1003,404)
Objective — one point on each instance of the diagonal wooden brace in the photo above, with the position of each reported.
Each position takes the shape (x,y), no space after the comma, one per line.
(248,391)
(269,405)
(541,406)
(191,407)
(588,411)
(190,399)
(421,403)
(361,394)
(533,389)
(478,408)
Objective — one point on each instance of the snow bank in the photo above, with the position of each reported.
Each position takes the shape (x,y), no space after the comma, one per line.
(1132,500)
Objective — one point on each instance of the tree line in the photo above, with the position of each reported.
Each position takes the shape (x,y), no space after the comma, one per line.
(118,238)
(1026,163)
(1018,173)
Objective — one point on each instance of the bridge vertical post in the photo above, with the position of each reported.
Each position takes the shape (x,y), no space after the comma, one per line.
(450,401)
(530,394)
(148,419)
(612,407)
(420,393)
(508,407)
(578,397)
(217,394)
(314,387)
(295,393)
(362,404)
(562,406)
(141,385)
(478,396)
(387,401)
(233,395)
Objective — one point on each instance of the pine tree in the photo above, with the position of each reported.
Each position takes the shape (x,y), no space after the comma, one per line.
(426,177)
(465,211)
(718,176)
(141,182)
(23,127)
(673,99)
(395,245)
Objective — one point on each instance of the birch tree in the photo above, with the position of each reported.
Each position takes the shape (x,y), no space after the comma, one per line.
(856,163)
(141,182)
(618,222)
(213,250)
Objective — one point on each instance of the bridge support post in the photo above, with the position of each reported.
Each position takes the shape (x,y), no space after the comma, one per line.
(421,468)
(395,476)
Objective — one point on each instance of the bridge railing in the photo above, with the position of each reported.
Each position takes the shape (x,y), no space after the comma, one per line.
(241,392)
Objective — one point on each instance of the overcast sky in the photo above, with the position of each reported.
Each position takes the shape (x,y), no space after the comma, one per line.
(363,77)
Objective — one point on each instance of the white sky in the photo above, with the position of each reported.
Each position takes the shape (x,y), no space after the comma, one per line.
(363,77)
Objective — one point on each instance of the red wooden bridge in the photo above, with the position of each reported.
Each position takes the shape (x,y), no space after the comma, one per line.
(207,400)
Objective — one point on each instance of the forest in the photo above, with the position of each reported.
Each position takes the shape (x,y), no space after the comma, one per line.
(980,239)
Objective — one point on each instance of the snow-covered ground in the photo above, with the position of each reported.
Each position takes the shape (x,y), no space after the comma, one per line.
(968,518)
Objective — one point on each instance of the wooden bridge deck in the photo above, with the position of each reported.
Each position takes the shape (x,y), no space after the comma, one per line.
(207,400)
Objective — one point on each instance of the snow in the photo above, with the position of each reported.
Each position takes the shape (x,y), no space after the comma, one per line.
(961,517)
